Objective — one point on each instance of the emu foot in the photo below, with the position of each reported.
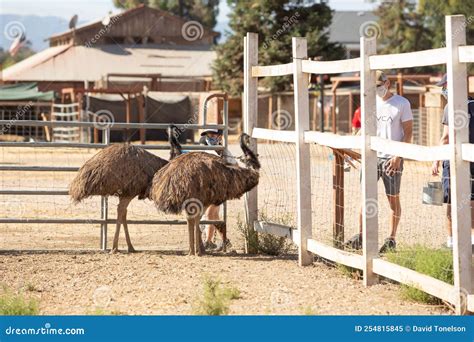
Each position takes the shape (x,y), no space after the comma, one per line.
(131,249)
(191,252)
(114,251)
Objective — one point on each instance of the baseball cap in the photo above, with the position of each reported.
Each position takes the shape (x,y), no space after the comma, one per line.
(211,130)
(442,81)
(380,77)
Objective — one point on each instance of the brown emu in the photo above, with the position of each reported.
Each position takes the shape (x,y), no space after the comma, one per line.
(193,181)
(122,170)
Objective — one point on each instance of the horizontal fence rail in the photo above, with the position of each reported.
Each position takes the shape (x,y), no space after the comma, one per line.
(331,67)
(333,140)
(274,135)
(103,126)
(409,59)
(273,70)
(410,151)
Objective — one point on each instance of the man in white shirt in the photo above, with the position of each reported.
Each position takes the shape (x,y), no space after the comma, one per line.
(394,122)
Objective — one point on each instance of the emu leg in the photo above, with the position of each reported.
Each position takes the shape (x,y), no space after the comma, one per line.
(125,202)
(191,235)
(117,232)
(198,237)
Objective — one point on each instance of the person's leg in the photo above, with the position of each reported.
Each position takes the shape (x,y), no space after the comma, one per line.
(212,214)
(449,226)
(396,212)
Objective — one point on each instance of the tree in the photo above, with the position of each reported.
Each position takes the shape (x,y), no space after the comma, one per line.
(7,60)
(276,22)
(203,11)
(407,26)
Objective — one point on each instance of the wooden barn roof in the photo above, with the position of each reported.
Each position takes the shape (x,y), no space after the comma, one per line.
(128,13)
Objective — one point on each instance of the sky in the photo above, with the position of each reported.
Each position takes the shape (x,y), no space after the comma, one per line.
(89,10)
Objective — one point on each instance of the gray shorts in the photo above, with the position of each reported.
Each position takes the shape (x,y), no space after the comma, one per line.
(391,183)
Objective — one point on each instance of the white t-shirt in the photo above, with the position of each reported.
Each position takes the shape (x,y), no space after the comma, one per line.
(390,116)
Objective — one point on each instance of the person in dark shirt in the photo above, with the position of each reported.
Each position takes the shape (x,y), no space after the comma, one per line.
(445,163)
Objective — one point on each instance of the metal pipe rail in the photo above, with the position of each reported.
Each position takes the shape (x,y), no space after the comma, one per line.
(100,146)
(111,125)
(100,221)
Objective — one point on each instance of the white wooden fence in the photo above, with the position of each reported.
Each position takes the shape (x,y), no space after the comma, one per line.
(455,55)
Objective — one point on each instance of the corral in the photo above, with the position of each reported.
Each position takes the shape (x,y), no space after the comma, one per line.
(304,195)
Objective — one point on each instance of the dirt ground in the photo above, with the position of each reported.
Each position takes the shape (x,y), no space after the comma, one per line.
(67,273)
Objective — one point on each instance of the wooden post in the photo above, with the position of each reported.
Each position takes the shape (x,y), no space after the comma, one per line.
(141,117)
(250,121)
(369,161)
(458,119)
(303,157)
(338,200)
(351,111)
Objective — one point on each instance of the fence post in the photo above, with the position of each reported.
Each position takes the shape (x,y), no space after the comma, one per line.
(250,121)
(458,120)
(104,202)
(303,161)
(368,47)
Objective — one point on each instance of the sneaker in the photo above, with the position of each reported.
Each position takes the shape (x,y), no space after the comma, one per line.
(388,246)
(221,246)
(209,245)
(354,242)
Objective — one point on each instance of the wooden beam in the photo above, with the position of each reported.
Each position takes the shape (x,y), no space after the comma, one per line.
(272,70)
(336,255)
(338,200)
(331,67)
(403,275)
(141,117)
(410,151)
(276,229)
(250,119)
(466,54)
(408,59)
(369,161)
(460,171)
(303,157)
(274,135)
(333,140)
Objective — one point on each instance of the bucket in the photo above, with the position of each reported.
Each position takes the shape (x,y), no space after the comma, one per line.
(433,193)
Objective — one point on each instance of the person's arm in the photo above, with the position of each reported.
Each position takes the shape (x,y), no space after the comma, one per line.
(406,117)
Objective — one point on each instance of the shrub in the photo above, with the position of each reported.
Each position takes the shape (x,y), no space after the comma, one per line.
(215,298)
(437,263)
(17,304)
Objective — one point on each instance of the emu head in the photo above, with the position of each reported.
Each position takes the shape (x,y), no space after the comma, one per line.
(250,159)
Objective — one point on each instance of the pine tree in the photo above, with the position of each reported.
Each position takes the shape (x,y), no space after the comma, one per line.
(276,22)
